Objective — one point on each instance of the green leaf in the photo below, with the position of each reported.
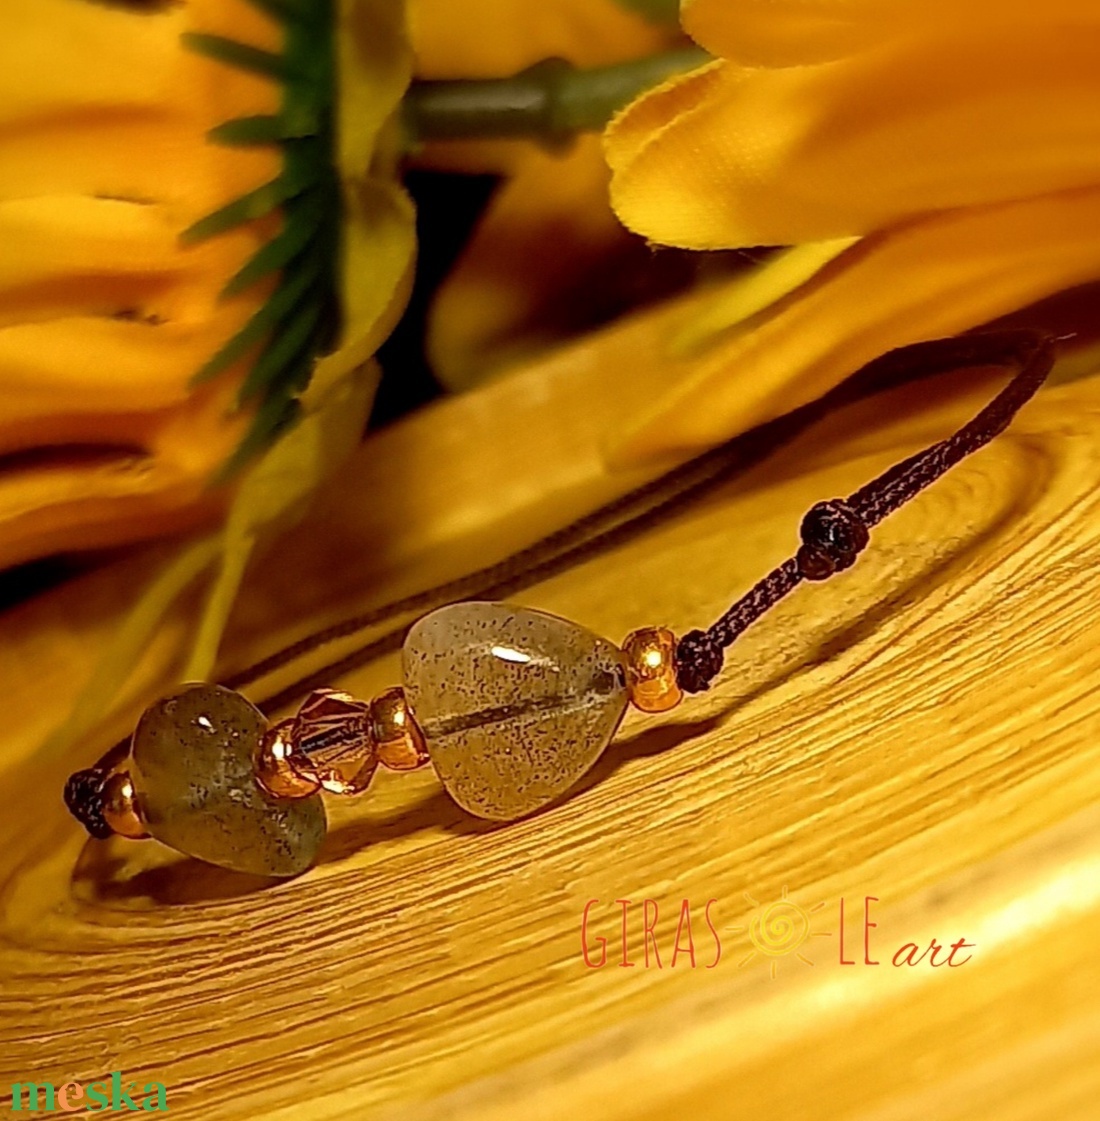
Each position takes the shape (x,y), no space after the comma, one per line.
(284,348)
(247,132)
(247,208)
(283,248)
(240,55)
(298,321)
(281,303)
(276,416)
(305,164)
(300,171)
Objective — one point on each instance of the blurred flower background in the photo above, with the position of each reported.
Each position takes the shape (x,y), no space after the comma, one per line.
(957,144)
(242,234)
(171,184)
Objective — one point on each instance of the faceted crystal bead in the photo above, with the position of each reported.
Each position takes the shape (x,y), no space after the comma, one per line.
(192,770)
(515,705)
(332,741)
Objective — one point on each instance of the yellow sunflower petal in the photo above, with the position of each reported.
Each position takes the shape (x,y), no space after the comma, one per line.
(925,280)
(494,309)
(493,38)
(795,32)
(375,68)
(757,292)
(737,156)
(104,318)
(131,100)
(143,476)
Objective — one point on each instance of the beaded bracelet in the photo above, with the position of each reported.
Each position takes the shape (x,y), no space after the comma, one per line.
(511,706)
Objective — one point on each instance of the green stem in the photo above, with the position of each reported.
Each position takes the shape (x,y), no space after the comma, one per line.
(549,102)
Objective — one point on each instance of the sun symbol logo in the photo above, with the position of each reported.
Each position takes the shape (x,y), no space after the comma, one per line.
(779,929)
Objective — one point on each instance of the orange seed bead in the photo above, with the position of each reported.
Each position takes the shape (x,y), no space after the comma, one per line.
(650,657)
(274,764)
(397,737)
(120,809)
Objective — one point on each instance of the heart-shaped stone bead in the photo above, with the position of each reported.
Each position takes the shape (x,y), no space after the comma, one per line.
(515,705)
(192,770)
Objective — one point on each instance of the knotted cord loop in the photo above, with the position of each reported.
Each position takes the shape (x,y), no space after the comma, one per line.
(84,797)
(698,660)
(836,531)
(833,535)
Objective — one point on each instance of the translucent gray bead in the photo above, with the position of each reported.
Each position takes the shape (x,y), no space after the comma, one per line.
(191,766)
(515,705)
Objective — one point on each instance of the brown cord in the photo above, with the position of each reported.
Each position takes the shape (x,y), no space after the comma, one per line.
(833,532)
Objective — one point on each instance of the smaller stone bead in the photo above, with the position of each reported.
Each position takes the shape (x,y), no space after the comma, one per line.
(120,808)
(650,657)
(333,742)
(398,740)
(193,762)
(275,768)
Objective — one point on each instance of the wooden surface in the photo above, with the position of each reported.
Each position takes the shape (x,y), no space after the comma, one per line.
(924,730)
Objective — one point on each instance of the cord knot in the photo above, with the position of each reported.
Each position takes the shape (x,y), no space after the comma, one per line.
(833,535)
(84,797)
(699,659)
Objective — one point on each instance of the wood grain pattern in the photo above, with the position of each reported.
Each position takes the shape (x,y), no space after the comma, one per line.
(923,730)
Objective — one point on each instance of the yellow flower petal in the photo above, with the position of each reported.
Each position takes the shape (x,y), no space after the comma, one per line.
(108,80)
(494,38)
(104,318)
(795,32)
(756,292)
(494,309)
(925,280)
(140,475)
(736,156)
(375,68)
